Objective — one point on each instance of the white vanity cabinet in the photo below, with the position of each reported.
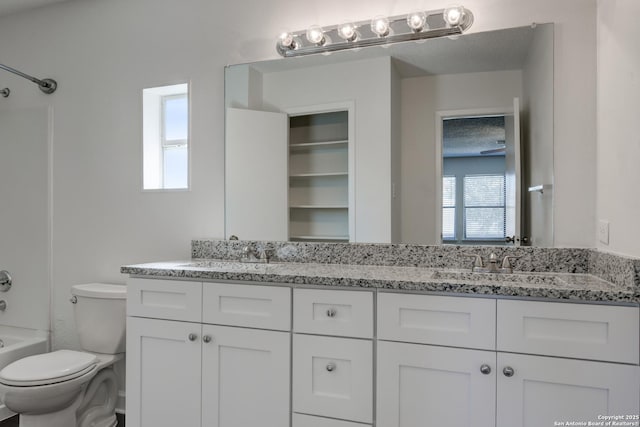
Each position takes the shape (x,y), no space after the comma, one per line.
(541,390)
(530,375)
(434,384)
(245,377)
(163,373)
(536,390)
(231,354)
(423,385)
(332,357)
(216,375)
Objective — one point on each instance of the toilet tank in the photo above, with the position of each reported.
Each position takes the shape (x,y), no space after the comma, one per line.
(100,313)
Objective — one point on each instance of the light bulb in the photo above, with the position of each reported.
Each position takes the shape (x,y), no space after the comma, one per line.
(453,15)
(417,21)
(380,26)
(315,35)
(347,31)
(286,41)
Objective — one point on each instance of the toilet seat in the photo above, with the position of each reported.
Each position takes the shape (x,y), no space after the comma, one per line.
(49,368)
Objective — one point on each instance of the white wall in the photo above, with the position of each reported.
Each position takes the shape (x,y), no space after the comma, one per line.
(618,127)
(421,98)
(24,214)
(538,136)
(103,52)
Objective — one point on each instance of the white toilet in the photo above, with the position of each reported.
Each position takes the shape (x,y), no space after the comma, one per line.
(68,388)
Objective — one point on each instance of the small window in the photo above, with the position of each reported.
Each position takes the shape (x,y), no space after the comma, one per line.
(166,137)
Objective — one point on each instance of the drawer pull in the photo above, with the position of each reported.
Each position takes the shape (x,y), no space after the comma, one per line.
(206,338)
(508,371)
(331,312)
(331,367)
(193,337)
(485,369)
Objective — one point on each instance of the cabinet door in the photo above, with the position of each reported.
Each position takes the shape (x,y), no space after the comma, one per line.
(333,377)
(544,390)
(245,377)
(163,373)
(256,180)
(427,386)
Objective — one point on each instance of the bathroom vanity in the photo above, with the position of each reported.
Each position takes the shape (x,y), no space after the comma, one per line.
(224,343)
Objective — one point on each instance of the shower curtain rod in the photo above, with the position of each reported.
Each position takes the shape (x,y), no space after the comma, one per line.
(46,85)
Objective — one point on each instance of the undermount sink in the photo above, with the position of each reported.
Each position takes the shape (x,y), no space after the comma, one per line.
(229,266)
(237,267)
(524,278)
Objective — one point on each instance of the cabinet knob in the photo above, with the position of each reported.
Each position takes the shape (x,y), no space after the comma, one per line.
(485,369)
(206,338)
(331,367)
(508,371)
(193,337)
(331,312)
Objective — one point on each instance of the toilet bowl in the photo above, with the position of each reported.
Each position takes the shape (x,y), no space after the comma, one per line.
(67,388)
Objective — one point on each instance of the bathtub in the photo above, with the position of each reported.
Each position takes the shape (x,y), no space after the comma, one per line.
(16,343)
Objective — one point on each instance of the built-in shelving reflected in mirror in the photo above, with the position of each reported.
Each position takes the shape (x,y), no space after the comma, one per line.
(372,119)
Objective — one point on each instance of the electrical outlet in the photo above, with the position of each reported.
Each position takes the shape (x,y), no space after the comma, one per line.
(603,231)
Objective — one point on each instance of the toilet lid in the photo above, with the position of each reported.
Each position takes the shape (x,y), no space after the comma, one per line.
(48,368)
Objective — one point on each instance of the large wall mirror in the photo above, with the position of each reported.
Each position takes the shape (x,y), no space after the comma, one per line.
(442,141)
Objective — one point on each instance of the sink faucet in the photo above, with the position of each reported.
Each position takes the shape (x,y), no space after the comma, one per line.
(505,267)
(258,255)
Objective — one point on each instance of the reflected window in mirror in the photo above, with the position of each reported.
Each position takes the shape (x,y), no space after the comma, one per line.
(449,208)
(166,138)
(473,181)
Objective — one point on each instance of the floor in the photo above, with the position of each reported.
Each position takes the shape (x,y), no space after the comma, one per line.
(13,421)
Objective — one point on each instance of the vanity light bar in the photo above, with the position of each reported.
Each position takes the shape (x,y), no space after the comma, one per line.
(380,30)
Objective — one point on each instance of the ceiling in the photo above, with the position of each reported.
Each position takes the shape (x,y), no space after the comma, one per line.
(8,7)
(473,136)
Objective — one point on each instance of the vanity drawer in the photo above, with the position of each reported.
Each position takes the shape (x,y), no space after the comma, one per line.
(164,299)
(332,377)
(333,312)
(300,420)
(598,332)
(430,319)
(251,306)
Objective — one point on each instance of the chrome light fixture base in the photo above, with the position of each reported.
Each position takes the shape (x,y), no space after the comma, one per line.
(452,21)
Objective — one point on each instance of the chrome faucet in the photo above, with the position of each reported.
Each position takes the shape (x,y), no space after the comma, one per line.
(505,267)
(250,254)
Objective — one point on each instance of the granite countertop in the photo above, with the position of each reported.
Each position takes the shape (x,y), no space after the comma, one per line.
(560,286)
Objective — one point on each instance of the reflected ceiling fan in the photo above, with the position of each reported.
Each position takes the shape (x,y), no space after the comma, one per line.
(495,150)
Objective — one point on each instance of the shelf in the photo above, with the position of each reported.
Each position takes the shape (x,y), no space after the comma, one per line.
(311,145)
(313,175)
(319,169)
(319,207)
